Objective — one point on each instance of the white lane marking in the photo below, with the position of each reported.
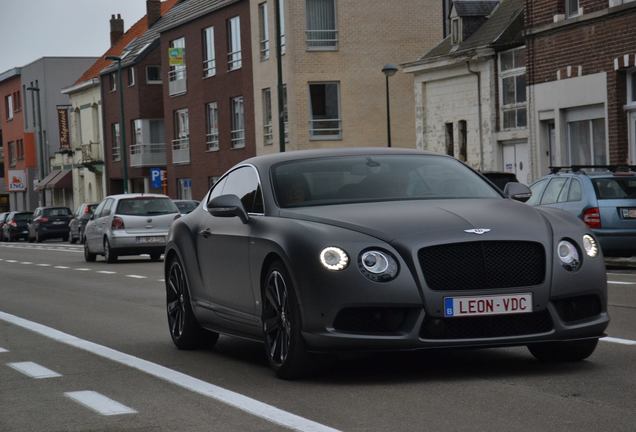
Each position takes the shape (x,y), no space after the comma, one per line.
(2,350)
(82,269)
(44,248)
(228,397)
(106,272)
(618,341)
(1,259)
(11,261)
(33,370)
(61,267)
(137,276)
(99,403)
(621,274)
(621,283)
(161,280)
(43,265)
(26,262)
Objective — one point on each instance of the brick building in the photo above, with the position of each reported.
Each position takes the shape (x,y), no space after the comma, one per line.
(582,81)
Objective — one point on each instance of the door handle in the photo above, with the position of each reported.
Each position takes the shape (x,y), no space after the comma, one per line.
(206,232)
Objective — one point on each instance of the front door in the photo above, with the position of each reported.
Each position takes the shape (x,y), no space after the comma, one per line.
(516,160)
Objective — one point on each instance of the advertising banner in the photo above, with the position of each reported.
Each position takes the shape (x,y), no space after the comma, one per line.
(17,181)
(176,56)
(62,121)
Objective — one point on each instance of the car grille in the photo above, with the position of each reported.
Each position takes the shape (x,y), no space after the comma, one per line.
(483,265)
(486,326)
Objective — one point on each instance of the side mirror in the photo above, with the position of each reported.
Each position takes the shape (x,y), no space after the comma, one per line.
(228,206)
(517,191)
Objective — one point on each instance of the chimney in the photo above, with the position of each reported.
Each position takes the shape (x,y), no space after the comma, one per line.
(153,11)
(116,29)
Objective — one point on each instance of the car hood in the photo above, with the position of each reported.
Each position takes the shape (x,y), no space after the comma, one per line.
(433,221)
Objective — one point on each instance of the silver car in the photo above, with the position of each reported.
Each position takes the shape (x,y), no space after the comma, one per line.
(131,224)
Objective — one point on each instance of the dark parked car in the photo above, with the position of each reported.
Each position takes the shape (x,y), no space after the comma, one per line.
(16,226)
(380,249)
(78,223)
(500,179)
(3,218)
(186,206)
(49,222)
(602,197)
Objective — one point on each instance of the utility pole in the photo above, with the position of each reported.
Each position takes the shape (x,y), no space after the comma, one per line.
(279,67)
(38,122)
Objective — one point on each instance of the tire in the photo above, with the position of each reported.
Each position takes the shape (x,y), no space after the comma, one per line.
(284,345)
(569,351)
(185,331)
(109,255)
(155,256)
(88,256)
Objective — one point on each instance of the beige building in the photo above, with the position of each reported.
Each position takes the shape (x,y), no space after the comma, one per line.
(333,55)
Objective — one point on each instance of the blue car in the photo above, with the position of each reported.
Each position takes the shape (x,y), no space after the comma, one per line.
(602,197)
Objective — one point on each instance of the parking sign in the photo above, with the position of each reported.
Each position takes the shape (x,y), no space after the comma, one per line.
(155,178)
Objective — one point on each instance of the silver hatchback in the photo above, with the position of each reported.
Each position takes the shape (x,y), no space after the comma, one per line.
(130,224)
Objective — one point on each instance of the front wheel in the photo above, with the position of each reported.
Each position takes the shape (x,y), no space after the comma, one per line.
(284,344)
(88,256)
(567,351)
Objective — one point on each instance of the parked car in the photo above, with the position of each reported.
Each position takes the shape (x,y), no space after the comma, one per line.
(78,223)
(186,206)
(131,224)
(604,199)
(500,178)
(48,223)
(380,249)
(3,218)
(16,226)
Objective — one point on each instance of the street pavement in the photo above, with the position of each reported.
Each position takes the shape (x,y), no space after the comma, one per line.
(85,347)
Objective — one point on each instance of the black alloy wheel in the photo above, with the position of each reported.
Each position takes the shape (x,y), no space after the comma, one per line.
(109,255)
(88,256)
(185,331)
(284,345)
(565,351)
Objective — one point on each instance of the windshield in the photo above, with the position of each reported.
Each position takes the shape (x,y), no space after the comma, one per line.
(146,206)
(186,206)
(615,187)
(61,211)
(351,179)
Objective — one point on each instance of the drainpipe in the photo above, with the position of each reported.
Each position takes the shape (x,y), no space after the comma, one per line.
(481,139)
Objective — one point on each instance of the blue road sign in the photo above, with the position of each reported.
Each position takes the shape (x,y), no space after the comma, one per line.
(155,178)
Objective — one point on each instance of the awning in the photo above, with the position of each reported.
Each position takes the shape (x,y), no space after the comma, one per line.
(64,180)
(42,183)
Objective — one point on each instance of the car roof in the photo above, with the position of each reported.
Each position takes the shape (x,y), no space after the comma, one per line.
(137,195)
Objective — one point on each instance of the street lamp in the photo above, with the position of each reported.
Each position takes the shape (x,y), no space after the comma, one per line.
(122,122)
(42,166)
(388,70)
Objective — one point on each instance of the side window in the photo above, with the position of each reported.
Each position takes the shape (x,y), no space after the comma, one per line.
(575,193)
(537,190)
(553,190)
(218,189)
(563,196)
(107,207)
(98,210)
(243,183)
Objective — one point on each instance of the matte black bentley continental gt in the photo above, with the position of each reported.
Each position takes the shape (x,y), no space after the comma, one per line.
(380,249)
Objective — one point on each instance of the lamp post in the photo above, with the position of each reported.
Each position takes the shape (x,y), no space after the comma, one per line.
(122,123)
(389,70)
(41,166)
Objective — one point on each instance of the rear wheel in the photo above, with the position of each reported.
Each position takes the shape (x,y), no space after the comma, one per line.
(284,344)
(109,255)
(88,256)
(185,331)
(568,351)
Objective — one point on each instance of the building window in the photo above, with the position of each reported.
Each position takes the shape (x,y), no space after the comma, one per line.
(12,154)
(268,137)
(17,102)
(177,73)
(263,31)
(512,85)
(631,88)
(586,142)
(112,81)
(462,132)
(153,74)
(238,122)
(8,107)
(571,8)
(116,142)
(131,76)
(450,143)
(325,120)
(184,189)
(321,30)
(455,31)
(181,141)
(234,56)
(209,54)
(212,126)
(283,36)
(20,149)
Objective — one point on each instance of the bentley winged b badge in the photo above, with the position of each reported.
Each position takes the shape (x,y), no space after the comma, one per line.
(478,231)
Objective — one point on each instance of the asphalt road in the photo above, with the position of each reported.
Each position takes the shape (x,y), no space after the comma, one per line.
(102,328)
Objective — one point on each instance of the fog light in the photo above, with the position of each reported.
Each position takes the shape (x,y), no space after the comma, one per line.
(590,246)
(334,258)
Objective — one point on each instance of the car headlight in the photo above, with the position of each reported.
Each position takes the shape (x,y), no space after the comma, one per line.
(569,255)
(334,258)
(377,265)
(590,246)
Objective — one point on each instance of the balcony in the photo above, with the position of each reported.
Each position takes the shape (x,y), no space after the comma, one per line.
(181,151)
(321,39)
(91,152)
(144,155)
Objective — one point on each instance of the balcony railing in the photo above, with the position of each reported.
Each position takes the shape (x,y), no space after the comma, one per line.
(209,68)
(321,39)
(325,128)
(234,60)
(212,140)
(177,81)
(142,155)
(264,49)
(268,134)
(238,138)
(91,152)
(116,154)
(181,150)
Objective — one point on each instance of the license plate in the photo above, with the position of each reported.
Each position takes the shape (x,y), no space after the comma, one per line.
(629,213)
(58,222)
(487,305)
(158,239)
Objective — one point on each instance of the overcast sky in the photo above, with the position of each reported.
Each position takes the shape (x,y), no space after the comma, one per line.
(31,29)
